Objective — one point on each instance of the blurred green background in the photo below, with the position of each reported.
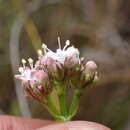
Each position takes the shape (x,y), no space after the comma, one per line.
(101,31)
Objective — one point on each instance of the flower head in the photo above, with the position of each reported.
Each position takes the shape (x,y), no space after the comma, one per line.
(63,66)
(35,82)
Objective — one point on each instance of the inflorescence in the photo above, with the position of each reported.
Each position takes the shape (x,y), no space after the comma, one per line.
(57,71)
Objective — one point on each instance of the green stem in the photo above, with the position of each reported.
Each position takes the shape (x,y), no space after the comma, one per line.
(61,91)
(51,106)
(64,114)
(62,103)
(75,102)
(54,112)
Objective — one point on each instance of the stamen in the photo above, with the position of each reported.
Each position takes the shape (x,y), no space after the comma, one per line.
(66,44)
(59,43)
(23,62)
(40,53)
(30,60)
(21,70)
(44,46)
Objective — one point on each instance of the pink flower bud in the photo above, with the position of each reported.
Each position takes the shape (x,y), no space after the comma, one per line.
(40,75)
(53,67)
(91,66)
(89,74)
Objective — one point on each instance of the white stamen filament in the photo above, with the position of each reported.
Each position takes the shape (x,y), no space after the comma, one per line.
(48,49)
(59,43)
(23,62)
(66,44)
(30,60)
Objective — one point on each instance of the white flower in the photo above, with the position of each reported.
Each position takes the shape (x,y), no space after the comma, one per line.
(61,54)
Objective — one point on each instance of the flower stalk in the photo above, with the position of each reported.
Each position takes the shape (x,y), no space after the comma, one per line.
(51,105)
(61,92)
(62,103)
(75,103)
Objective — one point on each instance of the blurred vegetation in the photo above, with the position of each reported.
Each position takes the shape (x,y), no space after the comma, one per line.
(100,29)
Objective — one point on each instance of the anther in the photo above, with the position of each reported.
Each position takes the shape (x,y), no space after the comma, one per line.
(23,62)
(66,44)
(40,53)
(30,60)
(44,46)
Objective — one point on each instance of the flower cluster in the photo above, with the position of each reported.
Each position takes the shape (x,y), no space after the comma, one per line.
(63,66)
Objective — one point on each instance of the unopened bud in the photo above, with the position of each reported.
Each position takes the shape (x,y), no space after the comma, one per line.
(91,66)
(53,67)
(40,75)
